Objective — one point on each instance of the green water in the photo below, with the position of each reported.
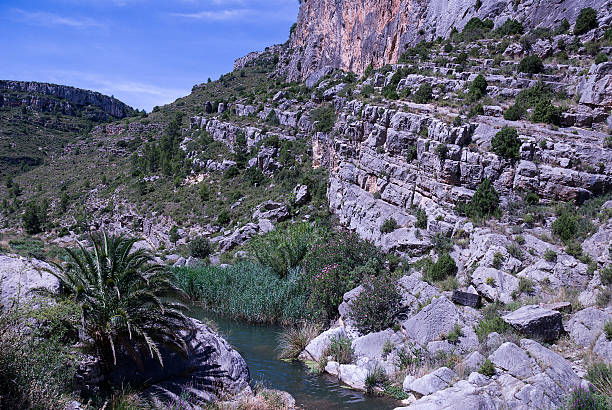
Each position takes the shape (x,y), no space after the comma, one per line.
(257,344)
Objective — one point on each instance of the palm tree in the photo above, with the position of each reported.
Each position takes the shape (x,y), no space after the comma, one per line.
(128,303)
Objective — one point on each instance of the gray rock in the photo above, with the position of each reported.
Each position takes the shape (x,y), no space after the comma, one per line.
(436,319)
(466,298)
(19,276)
(353,375)
(301,194)
(371,345)
(317,346)
(556,367)
(536,321)
(596,88)
(473,361)
(585,328)
(514,360)
(494,284)
(432,382)
(273,211)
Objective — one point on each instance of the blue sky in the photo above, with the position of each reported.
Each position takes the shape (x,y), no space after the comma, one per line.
(144,52)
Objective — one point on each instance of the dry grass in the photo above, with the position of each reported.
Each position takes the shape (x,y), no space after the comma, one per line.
(293,340)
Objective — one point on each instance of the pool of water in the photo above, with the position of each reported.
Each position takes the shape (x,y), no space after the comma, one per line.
(257,344)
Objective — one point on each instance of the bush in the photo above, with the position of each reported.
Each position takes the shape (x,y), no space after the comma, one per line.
(510,28)
(600,374)
(284,248)
(31,219)
(389,225)
(444,267)
(491,322)
(224,218)
(341,349)
(586,21)
(324,118)
(424,94)
(479,85)
(506,143)
(476,29)
(514,113)
(601,58)
(606,275)
(454,335)
(246,291)
(200,247)
(546,112)
(374,309)
(550,255)
(484,203)
(421,221)
(608,330)
(293,340)
(531,65)
(334,267)
(565,226)
(487,368)
(586,399)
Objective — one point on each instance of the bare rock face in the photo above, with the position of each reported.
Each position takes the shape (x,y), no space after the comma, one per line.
(19,276)
(596,89)
(351,35)
(44,97)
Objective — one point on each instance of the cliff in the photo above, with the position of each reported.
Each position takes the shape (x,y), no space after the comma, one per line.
(45,97)
(351,35)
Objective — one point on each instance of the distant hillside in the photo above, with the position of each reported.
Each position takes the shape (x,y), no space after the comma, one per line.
(38,119)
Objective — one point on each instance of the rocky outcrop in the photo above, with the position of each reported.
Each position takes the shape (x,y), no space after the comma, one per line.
(351,35)
(45,97)
(19,276)
(596,88)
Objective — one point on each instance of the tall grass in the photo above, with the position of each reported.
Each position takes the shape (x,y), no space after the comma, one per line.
(294,339)
(246,291)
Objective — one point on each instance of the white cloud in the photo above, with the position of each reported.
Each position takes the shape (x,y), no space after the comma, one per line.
(42,18)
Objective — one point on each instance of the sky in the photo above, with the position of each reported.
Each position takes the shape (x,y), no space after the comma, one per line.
(144,52)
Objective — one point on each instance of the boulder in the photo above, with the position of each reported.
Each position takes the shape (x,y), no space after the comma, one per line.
(552,364)
(317,346)
(585,328)
(466,298)
(19,276)
(211,370)
(301,195)
(596,88)
(353,375)
(494,284)
(432,382)
(371,345)
(461,396)
(273,211)
(434,320)
(514,360)
(536,321)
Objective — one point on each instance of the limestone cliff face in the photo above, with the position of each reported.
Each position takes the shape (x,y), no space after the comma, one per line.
(351,34)
(60,98)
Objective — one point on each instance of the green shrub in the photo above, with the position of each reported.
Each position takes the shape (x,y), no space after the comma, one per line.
(200,247)
(484,203)
(224,218)
(506,143)
(374,309)
(389,225)
(476,29)
(411,153)
(367,90)
(324,118)
(340,349)
(335,266)
(605,274)
(510,28)
(491,322)
(444,267)
(498,260)
(424,94)
(454,335)
(479,85)
(608,330)
(441,151)
(487,368)
(32,219)
(586,399)
(231,172)
(565,226)
(550,255)
(601,58)
(586,21)
(284,248)
(546,112)
(389,91)
(376,377)
(421,221)
(600,374)
(514,113)
(531,65)
(246,291)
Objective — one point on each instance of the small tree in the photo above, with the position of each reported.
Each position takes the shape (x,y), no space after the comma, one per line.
(586,21)
(444,267)
(485,201)
(31,219)
(479,85)
(389,225)
(174,235)
(506,143)
(374,309)
(200,247)
(565,226)
(531,65)
(546,112)
(204,192)
(324,118)
(424,94)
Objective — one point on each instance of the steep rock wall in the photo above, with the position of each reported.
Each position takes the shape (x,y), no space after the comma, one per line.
(67,100)
(353,34)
